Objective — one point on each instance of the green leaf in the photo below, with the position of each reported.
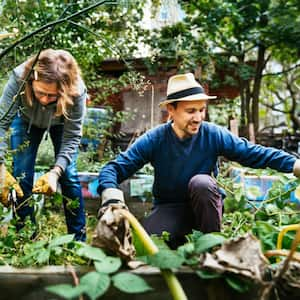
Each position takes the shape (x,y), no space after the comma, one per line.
(43,256)
(60,240)
(165,259)
(194,236)
(237,284)
(57,250)
(95,284)
(130,283)
(159,242)
(91,252)
(208,241)
(207,274)
(65,291)
(108,265)
(253,191)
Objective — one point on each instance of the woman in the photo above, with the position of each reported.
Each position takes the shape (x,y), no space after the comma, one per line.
(52,101)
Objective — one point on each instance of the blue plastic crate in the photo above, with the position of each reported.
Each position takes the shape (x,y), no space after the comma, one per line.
(261,184)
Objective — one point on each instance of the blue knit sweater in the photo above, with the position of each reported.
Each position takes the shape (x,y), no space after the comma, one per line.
(176,161)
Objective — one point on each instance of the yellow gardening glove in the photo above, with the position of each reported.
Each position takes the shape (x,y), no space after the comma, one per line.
(47,183)
(7,183)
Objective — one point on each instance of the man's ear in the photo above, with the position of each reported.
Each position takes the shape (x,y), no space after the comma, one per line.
(170,109)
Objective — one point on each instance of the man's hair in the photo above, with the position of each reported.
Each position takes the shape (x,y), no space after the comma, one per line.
(54,66)
(174,104)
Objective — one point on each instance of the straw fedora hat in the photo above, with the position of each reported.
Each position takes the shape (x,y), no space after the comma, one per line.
(184,87)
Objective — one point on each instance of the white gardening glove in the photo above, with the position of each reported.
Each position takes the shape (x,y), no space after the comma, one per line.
(113,231)
(47,183)
(296,168)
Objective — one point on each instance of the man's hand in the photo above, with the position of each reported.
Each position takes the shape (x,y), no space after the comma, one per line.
(296,169)
(113,230)
(8,183)
(47,183)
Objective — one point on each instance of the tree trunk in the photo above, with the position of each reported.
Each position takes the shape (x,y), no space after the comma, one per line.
(256,86)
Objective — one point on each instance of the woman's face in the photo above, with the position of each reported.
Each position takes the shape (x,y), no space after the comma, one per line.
(45,92)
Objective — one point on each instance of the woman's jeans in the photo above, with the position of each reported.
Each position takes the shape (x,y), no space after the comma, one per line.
(202,212)
(26,146)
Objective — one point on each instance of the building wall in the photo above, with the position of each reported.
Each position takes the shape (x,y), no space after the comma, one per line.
(147,113)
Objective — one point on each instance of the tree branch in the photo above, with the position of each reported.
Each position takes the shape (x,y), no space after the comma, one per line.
(283,71)
(274,108)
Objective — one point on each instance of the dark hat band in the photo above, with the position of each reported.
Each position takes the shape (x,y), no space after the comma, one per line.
(185,93)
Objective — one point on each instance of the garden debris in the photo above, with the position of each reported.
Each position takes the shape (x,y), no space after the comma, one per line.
(241,256)
(282,252)
(113,233)
(288,285)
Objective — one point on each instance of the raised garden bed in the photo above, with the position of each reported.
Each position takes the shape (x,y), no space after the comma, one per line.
(30,283)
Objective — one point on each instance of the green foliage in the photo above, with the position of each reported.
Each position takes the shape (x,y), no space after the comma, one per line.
(164,259)
(208,241)
(221,112)
(237,283)
(20,250)
(130,283)
(52,247)
(108,265)
(91,37)
(94,284)
(281,93)
(232,41)
(91,253)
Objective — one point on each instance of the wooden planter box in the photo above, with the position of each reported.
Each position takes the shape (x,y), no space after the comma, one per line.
(30,283)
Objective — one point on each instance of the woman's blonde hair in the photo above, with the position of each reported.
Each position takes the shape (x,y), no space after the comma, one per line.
(57,66)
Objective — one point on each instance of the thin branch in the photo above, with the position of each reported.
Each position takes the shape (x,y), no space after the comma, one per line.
(279,96)
(283,71)
(75,277)
(114,51)
(266,60)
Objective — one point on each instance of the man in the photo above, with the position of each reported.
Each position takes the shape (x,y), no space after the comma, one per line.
(184,155)
(52,101)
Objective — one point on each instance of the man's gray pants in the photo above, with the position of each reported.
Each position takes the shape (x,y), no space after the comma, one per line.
(203,212)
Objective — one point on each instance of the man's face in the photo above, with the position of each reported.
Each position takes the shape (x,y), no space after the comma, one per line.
(45,92)
(187,117)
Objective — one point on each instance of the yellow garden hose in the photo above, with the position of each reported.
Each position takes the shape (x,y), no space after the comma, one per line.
(283,232)
(171,280)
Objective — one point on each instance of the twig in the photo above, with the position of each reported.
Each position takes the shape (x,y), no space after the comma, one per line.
(282,252)
(75,277)
(241,223)
(232,193)
(284,213)
(23,203)
(273,198)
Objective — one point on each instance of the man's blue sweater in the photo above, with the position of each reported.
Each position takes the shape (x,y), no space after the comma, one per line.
(176,161)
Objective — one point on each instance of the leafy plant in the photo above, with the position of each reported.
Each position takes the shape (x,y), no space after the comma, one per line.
(95,284)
